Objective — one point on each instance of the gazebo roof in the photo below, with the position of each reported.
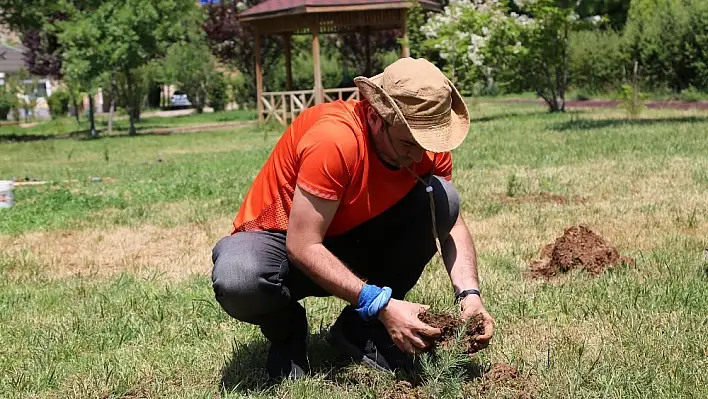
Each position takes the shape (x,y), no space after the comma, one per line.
(273,8)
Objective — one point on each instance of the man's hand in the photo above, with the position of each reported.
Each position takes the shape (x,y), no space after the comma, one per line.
(408,332)
(471,305)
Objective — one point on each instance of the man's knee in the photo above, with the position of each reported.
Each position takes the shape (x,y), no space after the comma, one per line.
(447,205)
(246,280)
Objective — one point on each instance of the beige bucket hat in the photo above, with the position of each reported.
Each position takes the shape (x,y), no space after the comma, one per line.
(417,93)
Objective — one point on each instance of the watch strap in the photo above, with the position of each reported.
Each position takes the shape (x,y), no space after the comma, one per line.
(462,294)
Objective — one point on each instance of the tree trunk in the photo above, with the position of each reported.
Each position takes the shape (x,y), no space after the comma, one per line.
(110,115)
(92,117)
(75,102)
(131,101)
(113,103)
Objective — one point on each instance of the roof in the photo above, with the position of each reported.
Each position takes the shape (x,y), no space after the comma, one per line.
(11,58)
(278,7)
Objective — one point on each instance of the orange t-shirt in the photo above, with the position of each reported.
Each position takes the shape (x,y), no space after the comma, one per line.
(327,152)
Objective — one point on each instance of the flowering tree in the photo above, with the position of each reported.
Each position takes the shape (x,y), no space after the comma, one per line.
(490,43)
(479,41)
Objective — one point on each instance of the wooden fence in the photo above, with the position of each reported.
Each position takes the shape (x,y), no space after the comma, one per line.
(285,106)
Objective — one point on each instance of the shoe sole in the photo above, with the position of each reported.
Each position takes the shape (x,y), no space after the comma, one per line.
(336,339)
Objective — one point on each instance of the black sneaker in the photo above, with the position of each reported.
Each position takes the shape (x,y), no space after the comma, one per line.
(287,356)
(367,342)
(284,361)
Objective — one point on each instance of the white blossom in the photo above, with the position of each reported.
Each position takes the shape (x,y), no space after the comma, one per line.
(595,19)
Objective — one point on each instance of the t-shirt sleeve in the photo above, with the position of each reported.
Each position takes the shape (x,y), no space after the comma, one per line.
(327,155)
(443,165)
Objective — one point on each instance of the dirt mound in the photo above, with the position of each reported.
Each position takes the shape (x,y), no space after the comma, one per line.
(451,325)
(501,372)
(578,248)
(501,380)
(405,390)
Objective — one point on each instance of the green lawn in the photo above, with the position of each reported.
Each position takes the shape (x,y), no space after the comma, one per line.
(105,287)
(69,127)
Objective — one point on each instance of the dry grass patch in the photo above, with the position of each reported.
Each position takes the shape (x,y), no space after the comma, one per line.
(174,253)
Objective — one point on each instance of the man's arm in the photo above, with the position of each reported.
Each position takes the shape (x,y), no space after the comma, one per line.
(310,217)
(460,257)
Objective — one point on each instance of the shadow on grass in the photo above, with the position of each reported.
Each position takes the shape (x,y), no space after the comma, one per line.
(245,370)
(84,134)
(581,124)
(496,117)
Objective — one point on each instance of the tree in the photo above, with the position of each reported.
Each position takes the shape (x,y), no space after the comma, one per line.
(669,39)
(43,53)
(83,57)
(190,66)
(233,43)
(126,37)
(479,45)
(352,48)
(35,21)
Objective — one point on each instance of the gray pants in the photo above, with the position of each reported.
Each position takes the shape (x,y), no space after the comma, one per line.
(255,282)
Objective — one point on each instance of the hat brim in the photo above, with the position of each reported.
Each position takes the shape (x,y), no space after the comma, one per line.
(437,137)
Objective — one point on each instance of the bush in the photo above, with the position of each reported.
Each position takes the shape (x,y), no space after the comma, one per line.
(691,95)
(303,73)
(632,100)
(8,101)
(669,38)
(58,103)
(217,92)
(243,91)
(597,62)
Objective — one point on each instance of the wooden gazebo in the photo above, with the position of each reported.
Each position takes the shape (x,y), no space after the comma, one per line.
(315,17)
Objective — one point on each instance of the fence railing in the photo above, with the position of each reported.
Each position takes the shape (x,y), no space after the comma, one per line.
(285,106)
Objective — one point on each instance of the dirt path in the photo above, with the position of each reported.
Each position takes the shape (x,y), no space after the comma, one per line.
(196,128)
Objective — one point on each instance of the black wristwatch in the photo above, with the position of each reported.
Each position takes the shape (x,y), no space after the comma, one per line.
(471,291)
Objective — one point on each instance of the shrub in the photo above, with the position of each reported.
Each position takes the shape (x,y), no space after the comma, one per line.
(58,103)
(691,95)
(217,92)
(597,61)
(669,38)
(632,100)
(243,91)
(8,101)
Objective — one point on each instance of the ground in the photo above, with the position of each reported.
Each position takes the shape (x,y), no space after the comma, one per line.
(105,285)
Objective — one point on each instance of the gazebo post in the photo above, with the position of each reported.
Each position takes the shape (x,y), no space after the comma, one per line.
(259,75)
(319,94)
(288,62)
(405,51)
(367,48)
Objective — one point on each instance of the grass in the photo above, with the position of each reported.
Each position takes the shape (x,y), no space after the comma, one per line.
(64,127)
(105,288)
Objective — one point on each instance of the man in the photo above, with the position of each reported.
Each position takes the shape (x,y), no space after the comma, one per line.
(343,207)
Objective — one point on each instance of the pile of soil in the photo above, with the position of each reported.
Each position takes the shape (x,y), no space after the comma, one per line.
(578,248)
(405,390)
(451,325)
(501,372)
(501,380)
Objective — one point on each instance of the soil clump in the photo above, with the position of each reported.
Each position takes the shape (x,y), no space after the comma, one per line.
(450,327)
(577,248)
